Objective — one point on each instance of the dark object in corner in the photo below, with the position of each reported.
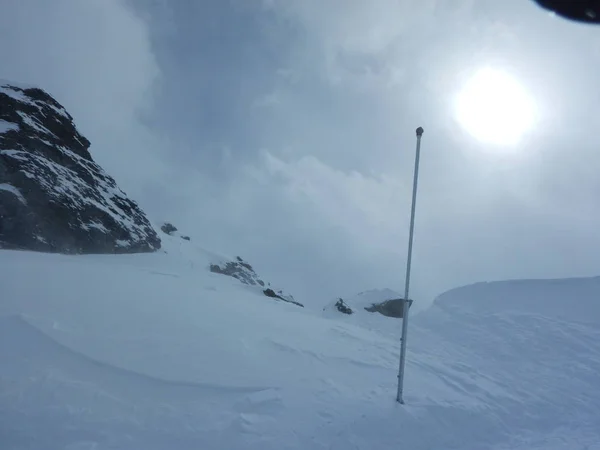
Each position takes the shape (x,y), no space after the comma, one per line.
(168,228)
(343,307)
(389,308)
(587,11)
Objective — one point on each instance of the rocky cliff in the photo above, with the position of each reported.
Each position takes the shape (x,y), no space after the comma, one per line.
(53,196)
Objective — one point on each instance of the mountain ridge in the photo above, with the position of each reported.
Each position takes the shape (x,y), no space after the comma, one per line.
(53,196)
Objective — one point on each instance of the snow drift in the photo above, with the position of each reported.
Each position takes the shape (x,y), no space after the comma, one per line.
(571,299)
(153,351)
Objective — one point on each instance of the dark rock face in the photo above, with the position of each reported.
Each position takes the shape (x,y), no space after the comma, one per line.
(342,307)
(168,228)
(389,308)
(279,295)
(244,272)
(53,196)
(238,269)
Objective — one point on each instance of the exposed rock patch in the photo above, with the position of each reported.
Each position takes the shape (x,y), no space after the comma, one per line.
(244,272)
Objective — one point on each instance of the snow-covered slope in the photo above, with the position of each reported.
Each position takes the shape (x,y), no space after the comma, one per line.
(571,299)
(153,351)
(182,248)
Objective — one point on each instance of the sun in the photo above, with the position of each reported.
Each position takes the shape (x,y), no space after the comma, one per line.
(495,108)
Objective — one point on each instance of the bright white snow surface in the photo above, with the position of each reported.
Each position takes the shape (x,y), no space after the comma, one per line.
(7,126)
(13,190)
(152,351)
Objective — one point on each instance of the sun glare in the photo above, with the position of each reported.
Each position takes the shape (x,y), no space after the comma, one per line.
(493,107)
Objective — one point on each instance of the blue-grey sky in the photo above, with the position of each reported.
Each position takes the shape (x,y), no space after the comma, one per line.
(283,130)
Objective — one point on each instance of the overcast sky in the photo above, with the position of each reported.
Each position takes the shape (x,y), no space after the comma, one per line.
(284,131)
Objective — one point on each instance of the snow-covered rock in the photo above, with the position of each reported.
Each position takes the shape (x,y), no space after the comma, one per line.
(203,261)
(171,230)
(53,196)
(343,307)
(384,301)
(244,272)
(239,269)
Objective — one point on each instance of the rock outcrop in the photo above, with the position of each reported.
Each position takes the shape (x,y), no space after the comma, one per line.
(239,269)
(171,230)
(168,228)
(279,295)
(389,308)
(244,272)
(53,196)
(342,307)
(383,301)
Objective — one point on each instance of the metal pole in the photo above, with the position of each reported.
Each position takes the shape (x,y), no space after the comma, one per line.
(406,303)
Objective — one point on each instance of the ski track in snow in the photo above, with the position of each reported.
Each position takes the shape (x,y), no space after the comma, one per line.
(154,352)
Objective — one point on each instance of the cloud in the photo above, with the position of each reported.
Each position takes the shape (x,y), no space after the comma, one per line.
(338,232)
(316,230)
(316,185)
(95,57)
(284,131)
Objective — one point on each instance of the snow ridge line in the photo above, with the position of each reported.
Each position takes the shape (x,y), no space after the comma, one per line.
(11,323)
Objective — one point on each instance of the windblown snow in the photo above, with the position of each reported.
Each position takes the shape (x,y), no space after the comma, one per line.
(13,190)
(153,351)
(7,126)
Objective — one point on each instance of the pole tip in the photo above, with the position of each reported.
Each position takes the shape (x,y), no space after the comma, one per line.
(420,131)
